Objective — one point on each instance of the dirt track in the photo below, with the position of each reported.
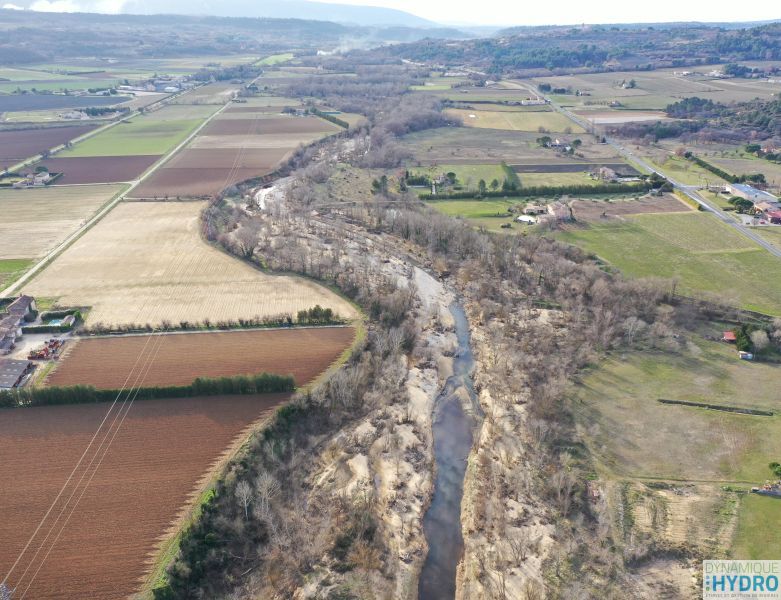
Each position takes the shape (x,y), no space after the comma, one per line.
(180,358)
(162,450)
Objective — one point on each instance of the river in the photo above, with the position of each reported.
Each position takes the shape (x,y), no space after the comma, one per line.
(455,419)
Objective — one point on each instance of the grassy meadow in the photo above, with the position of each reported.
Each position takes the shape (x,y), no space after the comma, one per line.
(702,253)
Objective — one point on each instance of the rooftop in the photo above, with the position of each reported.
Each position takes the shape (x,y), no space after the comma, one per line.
(11,371)
(752,191)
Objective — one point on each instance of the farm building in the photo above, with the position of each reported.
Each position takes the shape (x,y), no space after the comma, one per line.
(12,372)
(766,206)
(748,192)
(12,319)
(559,211)
(535,209)
(729,336)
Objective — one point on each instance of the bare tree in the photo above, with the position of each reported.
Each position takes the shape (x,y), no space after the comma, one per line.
(244,496)
(760,340)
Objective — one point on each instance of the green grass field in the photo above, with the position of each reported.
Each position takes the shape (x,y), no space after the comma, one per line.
(554,179)
(138,136)
(759,521)
(11,269)
(523,120)
(468,175)
(636,436)
(488,214)
(275,59)
(702,253)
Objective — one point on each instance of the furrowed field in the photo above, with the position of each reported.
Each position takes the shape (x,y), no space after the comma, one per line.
(145,262)
(107,362)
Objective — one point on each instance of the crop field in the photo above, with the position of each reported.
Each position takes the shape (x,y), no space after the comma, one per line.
(20,144)
(703,254)
(600,211)
(613,117)
(145,262)
(152,472)
(213,93)
(99,169)
(16,102)
(741,166)
(554,179)
(34,221)
(515,120)
(469,145)
(108,362)
(269,125)
(200,172)
(680,169)
(657,89)
(138,136)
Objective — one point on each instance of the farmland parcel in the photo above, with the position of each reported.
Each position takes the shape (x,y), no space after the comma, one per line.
(107,362)
(152,471)
(146,263)
(36,220)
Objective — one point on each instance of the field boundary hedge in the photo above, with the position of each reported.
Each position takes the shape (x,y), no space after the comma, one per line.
(263,383)
(330,118)
(544,190)
(721,407)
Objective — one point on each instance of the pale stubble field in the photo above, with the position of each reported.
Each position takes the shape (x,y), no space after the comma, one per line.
(146,262)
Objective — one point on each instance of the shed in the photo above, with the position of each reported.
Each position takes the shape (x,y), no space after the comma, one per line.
(12,372)
(729,336)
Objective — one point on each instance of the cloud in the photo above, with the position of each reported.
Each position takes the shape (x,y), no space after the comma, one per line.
(61,6)
(111,7)
(10,6)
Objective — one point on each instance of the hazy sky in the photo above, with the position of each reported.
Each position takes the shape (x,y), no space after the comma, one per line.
(565,12)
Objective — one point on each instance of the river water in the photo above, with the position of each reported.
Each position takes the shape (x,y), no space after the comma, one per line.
(456,413)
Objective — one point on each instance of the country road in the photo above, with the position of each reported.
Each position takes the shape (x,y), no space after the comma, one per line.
(692,191)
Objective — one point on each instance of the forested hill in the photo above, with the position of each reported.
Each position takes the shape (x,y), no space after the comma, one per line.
(542,50)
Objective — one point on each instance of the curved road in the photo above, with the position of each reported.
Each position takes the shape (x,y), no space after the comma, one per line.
(690,190)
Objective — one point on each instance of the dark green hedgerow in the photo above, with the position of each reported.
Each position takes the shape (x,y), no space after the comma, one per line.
(84,394)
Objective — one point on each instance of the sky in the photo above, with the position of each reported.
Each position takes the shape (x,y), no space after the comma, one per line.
(514,12)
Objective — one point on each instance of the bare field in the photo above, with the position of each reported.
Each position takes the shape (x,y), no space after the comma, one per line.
(607,210)
(152,472)
(199,172)
(530,121)
(108,362)
(35,221)
(268,140)
(24,143)
(99,169)
(273,125)
(213,93)
(146,262)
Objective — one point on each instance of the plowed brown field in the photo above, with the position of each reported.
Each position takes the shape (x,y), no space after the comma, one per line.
(180,358)
(24,143)
(291,125)
(157,461)
(99,169)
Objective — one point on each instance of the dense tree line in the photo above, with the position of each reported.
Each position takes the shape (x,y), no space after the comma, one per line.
(202,386)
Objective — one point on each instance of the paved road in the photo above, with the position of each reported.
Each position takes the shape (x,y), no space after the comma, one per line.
(692,191)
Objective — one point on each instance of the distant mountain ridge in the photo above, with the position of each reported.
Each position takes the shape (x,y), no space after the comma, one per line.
(280,9)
